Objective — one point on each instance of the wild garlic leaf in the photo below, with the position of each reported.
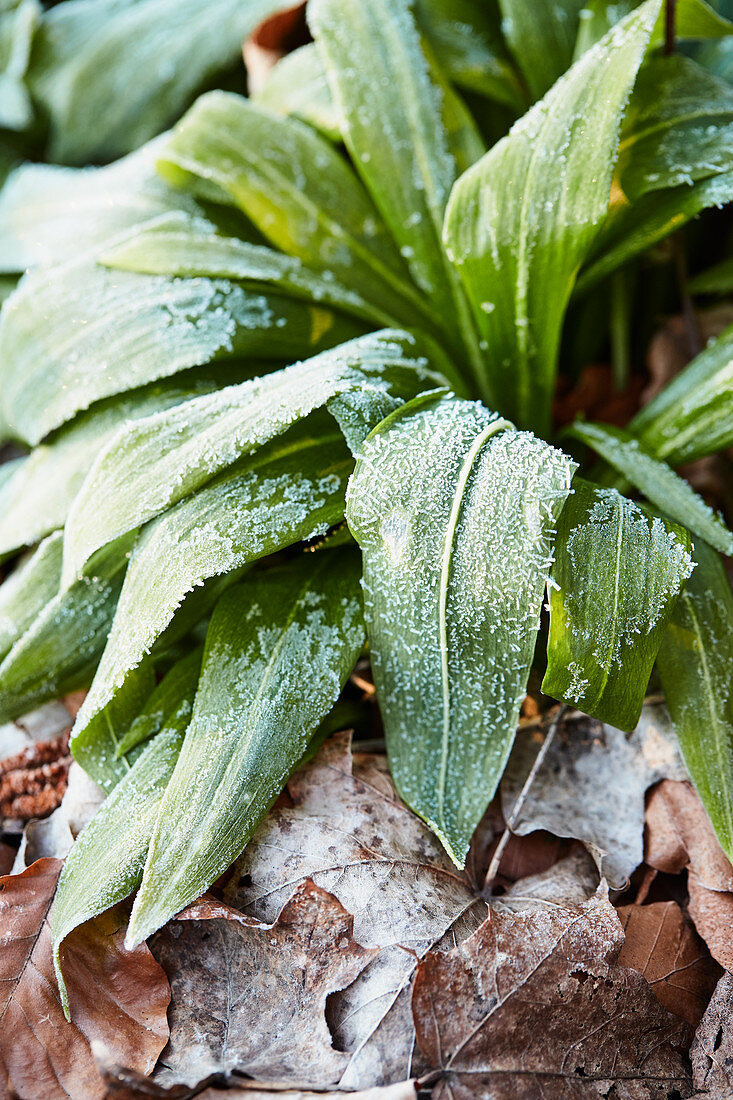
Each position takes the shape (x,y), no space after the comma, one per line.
(408,134)
(693,19)
(291,489)
(660,484)
(541,35)
(518,249)
(277,653)
(110,74)
(679,127)
(77,334)
(297,189)
(455,514)
(694,665)
(151,464)
(106,863)
(693,415)
(613,586)
(177,244)
(298,86)
(169,705)
(17,28)
(28,589)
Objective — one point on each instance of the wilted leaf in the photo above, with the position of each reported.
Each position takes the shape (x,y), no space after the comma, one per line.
(712,1050)
(119,998)
(534,1004)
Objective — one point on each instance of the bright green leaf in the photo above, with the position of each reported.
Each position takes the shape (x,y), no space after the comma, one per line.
(541,35)
(297,85)
(27,590)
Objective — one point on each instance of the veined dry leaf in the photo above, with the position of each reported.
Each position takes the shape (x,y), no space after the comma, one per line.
(534,1005)
(711,1052)
(265,1011)
(591,786)
(119,998)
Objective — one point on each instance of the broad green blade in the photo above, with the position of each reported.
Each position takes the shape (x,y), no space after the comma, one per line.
(106,863)
(27,590)
(169,706)
(455,514)
(297,189)
(110,74)
(177,244)
(518,248)
(693,414)
(291,489)
(17,28)
(660,484)
(278,650)
(408,134)
(632,229)
(679,127)
(717,279)
(76,334)
(298,86)
(152,464)
(693,19)
(36,499)
(541,35)
(694,663)
(614,584)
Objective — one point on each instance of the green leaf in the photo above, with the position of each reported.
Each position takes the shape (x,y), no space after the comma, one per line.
(408,134)
(169,705)
(106,863)
(693,415)
(541,35)
(151,464)
(694,666)
(17,28)
(679,127)
(455,516)
(297,189)
(693,19)
(278,650)
(613,587)
(76,334)
(291,489)
(27,590)
(661,485)
(298,86)
(112,73)
(518,249)
(717,279)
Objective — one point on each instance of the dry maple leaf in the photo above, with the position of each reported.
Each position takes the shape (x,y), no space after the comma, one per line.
(711,1053)
(532,1005)
(118,998)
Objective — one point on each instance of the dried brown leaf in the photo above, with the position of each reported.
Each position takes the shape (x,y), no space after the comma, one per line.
(712,1050)
(534,1006)
(118,998)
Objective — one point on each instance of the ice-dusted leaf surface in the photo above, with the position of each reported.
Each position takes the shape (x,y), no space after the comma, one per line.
(541,35)
(348,831)
(693,19)
(614,584)
(110,75)
(455,513)
(675,497)
(25,593)
(711,1053)
(278,650)
(118,998)
(17,27)
(292,489)
(591,786)
(169,705)
(266,1012)
(298,85)
(695,661)
(691,417)
(152,464)
(537,1006)
(408,134)
(79,333)
(518,249)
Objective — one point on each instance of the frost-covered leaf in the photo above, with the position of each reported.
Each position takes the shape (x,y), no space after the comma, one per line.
(615,581)
(408,134)
(106,863)
(679,127)
(297,189)
(169,705)
(541,35)
(17,28)
(693,415)
(110,74)
(153,463)
(291,489)
(298,85)
(455,514)
(79,333)
(695,661)
(673,496)
(278,650)
(518,249)
(25,593)
(692,19)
